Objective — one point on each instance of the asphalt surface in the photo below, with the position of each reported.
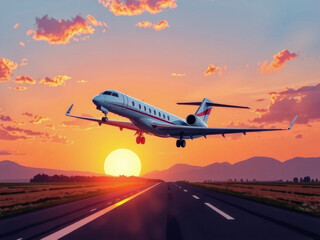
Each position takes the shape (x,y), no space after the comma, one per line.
(163,211)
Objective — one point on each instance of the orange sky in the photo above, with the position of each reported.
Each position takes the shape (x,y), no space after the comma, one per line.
(202,52)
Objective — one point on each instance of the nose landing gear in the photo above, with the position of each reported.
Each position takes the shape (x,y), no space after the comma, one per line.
(181,143)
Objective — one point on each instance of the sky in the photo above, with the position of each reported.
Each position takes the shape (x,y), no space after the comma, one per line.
(261,54)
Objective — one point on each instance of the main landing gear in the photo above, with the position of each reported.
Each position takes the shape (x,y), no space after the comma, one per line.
(140,139)
(104,119)
(181,143)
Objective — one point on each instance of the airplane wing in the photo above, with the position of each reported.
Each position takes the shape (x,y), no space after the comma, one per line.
(198,131)
(120,124)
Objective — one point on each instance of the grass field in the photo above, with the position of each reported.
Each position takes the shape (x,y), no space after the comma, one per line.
(302,197)
(22,197)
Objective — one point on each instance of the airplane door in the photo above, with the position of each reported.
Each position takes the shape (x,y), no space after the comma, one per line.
(125,102)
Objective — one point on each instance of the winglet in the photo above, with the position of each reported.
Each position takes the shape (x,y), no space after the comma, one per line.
(295,118)
(69,110)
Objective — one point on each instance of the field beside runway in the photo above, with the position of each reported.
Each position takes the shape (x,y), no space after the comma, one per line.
(22,197)
(302,197)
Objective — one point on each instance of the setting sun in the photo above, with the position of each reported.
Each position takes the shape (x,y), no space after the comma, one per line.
(122,162)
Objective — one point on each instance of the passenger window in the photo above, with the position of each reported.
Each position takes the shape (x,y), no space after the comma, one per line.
(145,109)
(132,103)
(115,94)
(149,110)
(155,113)
(159,114)
(168,118)
(139,106)
(164,116)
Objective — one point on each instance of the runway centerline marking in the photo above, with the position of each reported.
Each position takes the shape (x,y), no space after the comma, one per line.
(65,231)
(185,190)
(228,217)
(92,210)
(196,197)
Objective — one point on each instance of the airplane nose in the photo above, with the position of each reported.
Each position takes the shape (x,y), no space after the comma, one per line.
(95,100)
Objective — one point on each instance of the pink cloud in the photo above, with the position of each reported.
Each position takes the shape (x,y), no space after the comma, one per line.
(62,31)
(161,25)
(36,119)
(25,79)
(20,88)
(212,70)
(21,44)
(137,7)
(24,61)
(16,26)
(56,81)
(279,61)
(144,24)
(56,138)
(284,105)
(6,68)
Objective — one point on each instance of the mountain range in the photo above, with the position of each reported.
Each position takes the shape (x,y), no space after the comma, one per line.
(258,168)
(14,172)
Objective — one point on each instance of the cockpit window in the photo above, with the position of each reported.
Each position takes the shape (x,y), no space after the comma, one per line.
(107,93)
(115,94)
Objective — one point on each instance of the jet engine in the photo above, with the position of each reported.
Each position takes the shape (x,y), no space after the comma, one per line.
(194,120)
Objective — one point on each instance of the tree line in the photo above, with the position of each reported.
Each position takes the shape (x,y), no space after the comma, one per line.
(63,178)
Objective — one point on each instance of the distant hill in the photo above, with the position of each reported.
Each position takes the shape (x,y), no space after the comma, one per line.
(14,172)
(259,168)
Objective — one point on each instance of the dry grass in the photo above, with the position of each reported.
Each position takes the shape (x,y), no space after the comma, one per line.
(22,197)
(304,197)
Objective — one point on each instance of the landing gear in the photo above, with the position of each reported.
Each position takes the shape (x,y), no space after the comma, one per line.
(140,139)
(181,143)
(104,119)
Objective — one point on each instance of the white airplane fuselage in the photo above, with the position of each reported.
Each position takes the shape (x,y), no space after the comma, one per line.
(141,114)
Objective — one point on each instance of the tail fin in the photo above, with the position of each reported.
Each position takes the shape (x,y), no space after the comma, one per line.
(205,107)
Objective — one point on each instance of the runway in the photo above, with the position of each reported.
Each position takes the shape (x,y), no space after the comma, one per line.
(162,211)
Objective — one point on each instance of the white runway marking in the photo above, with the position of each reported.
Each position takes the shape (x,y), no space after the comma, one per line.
(196,197)
(19,238)
(109,203)
(92,210)
(185,190)
(65,231)
(228,217)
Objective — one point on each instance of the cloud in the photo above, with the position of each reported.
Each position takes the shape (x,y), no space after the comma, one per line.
(6,68)
(212,70)
(95,22)
(20,88)
(260,100)
(7,152)
(144,24)
(24,61)
(16,26)
(56,81)
(178,74)
(56,138)
(156,26)
(36,119)
(82,81)
(284,105)
(15,133)
(161,25)
(5,118)
(25,79)
(5,135)
(21,44)
(62,31)
(279,61)
(137,7)
(299,136)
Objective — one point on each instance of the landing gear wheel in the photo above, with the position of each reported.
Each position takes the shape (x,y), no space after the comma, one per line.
(142,140)
(183,143)
(138,140)
(104,119)
(178,143)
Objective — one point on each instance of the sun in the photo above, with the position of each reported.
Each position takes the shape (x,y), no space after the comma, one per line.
(122,162)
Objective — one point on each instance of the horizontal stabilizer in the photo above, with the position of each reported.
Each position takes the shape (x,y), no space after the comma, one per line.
(211,104)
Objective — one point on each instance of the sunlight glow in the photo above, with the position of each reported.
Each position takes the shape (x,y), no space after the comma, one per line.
(122,162)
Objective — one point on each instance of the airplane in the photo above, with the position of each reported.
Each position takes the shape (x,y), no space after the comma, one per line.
(145,118)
